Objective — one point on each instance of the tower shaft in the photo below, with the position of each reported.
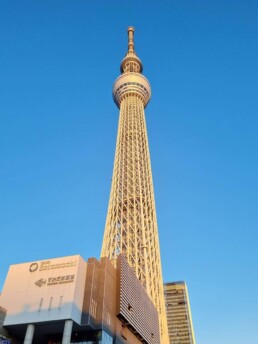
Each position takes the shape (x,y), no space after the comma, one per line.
(131,225)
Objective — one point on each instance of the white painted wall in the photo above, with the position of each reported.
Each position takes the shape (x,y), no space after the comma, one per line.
(44,290)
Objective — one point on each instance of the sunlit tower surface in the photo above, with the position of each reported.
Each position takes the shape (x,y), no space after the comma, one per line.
(131,225)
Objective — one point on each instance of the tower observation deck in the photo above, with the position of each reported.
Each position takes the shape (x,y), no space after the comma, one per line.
(131,225)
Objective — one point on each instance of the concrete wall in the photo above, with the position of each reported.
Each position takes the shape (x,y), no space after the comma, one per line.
(44,290)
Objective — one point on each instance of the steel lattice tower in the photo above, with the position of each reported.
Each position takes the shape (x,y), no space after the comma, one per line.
(131,225)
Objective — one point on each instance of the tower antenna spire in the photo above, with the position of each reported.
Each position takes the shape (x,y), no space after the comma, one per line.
(131,62)
(130,31)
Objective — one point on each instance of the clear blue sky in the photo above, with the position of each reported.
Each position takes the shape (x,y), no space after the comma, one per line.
(58,127)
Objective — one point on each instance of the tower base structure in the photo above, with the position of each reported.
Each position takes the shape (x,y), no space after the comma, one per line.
(67,300)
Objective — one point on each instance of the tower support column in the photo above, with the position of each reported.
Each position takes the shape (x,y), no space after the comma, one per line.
(67,332)
(29,334)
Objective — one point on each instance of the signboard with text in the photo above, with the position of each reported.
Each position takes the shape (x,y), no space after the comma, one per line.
(45,290)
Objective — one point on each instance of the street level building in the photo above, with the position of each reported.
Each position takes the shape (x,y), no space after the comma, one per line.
(66,300)
(4,335)
(180,326)
(131,224)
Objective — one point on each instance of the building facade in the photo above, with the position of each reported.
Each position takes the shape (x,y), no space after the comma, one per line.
(131,225)
(180,326)
(67,300)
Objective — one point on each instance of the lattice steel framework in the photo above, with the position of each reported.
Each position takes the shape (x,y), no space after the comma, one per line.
(131,225)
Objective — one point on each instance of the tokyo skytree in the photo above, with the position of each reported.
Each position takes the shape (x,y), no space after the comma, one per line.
(131,224)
